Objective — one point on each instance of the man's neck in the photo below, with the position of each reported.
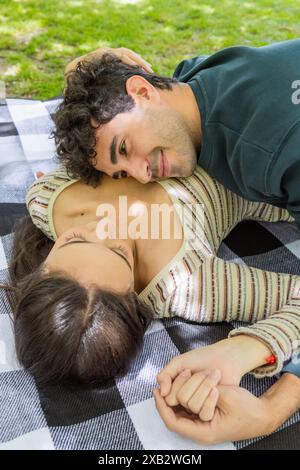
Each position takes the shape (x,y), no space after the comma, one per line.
(183,100)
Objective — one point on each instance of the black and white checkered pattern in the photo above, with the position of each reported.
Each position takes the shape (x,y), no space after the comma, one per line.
(123,414)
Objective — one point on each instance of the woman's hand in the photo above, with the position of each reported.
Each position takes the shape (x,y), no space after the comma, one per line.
(126,55)
(234,357)
(239,415)
(197,393)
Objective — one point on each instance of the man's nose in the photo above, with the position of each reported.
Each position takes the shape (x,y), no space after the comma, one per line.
(141,171)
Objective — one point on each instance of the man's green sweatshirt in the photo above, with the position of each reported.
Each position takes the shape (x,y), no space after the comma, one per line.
(249,101)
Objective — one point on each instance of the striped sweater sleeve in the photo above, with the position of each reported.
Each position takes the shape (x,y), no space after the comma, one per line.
(269,301)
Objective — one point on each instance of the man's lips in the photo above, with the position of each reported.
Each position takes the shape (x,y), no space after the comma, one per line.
(164,169)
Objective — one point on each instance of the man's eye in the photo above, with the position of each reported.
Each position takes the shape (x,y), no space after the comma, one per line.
(123,149)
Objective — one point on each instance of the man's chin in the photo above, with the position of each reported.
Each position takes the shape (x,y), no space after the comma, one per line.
(179,173)
(188,170)
(187,173)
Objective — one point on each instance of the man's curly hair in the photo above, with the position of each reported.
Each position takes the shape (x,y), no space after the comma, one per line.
(96,88)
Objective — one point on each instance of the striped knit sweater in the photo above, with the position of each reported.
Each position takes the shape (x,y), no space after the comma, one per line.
(199,286)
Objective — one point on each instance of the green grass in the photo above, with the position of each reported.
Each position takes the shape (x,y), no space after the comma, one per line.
(38,37)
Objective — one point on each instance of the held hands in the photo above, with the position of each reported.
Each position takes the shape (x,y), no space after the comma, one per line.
(190,380)
(126,55)
(222,356)
(239,415)
(204,383)
(197,392)
(234,357)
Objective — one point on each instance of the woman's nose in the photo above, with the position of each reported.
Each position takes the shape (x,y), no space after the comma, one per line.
(90,226)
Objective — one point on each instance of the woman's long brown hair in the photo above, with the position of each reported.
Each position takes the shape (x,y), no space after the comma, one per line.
(64,331)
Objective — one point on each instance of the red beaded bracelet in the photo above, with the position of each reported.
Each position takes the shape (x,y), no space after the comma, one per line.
(271,359)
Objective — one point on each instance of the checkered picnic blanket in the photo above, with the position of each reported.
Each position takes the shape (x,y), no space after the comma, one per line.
(121,415)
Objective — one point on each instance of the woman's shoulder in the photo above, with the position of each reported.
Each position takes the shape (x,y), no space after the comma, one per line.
(48,184)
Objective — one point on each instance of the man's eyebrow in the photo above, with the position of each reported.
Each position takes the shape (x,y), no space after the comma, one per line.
(113,155)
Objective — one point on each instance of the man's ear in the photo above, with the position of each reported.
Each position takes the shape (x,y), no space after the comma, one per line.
(139,88)
(39,174)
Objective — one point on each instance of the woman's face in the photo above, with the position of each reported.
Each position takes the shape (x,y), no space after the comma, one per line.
(107,263)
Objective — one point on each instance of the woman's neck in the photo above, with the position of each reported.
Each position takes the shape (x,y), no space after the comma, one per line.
(133,204)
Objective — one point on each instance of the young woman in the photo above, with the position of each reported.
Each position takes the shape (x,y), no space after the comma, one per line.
(82,301)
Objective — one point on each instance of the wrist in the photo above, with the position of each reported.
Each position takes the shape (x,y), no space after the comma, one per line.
(275,400)
(267,420)
(249,352)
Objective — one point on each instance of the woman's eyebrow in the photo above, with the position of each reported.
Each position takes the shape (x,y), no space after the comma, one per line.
(86,241)
(75,241)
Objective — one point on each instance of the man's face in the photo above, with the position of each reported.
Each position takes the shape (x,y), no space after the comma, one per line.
(146,143)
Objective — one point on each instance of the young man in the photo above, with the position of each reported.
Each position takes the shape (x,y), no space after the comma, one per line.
(236,113)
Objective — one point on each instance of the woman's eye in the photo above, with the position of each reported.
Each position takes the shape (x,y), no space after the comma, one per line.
(121,249)
(75,235)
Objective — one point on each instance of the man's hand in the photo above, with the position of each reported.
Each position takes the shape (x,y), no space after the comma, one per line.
(239,414)
(126,55)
